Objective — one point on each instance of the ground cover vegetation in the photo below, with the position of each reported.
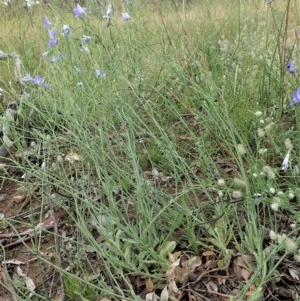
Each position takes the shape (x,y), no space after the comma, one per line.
(150,150)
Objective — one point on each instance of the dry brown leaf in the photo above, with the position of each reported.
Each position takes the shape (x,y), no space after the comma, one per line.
(151,297)
(173,289)
(149,285)
(294,274)
(208,253)
(245,274)
(170,274)
(211,286)
(30,285)
(164,296)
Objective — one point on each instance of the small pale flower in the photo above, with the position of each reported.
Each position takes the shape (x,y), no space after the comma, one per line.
(241,150)
(99,73)
(125,17)
(285,163)
(288,144)
(262,151)
(290,245)
(79,11)
(276,203)
(221,182)
(296,97)
(220,193)
(108,14)
(86,39)
(254,175)
(269,126)
(291,195)
(258,113)
(237,194)
(275,206)
(269,172)
(272,235)
(272,190)
(66,32)
(260,132)
(297,257)
(280,193)
(290,67)
(47,23)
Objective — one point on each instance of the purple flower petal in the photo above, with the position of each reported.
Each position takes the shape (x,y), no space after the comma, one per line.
(37,80)
(296,98)
(47,23)
(290,67)
(125,17)
(99,73)
(79,11)
(86,39)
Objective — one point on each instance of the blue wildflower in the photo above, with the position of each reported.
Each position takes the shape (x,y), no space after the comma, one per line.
(290,67)
(53,40)
(108,14)
(79,11)
(46,86)
(86,39)
(66,32)
(125,17)
(99,73)
(37,80)
(47,23)
(27,78)
(296,98)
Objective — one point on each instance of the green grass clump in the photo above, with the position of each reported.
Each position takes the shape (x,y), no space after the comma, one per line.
(175,151)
